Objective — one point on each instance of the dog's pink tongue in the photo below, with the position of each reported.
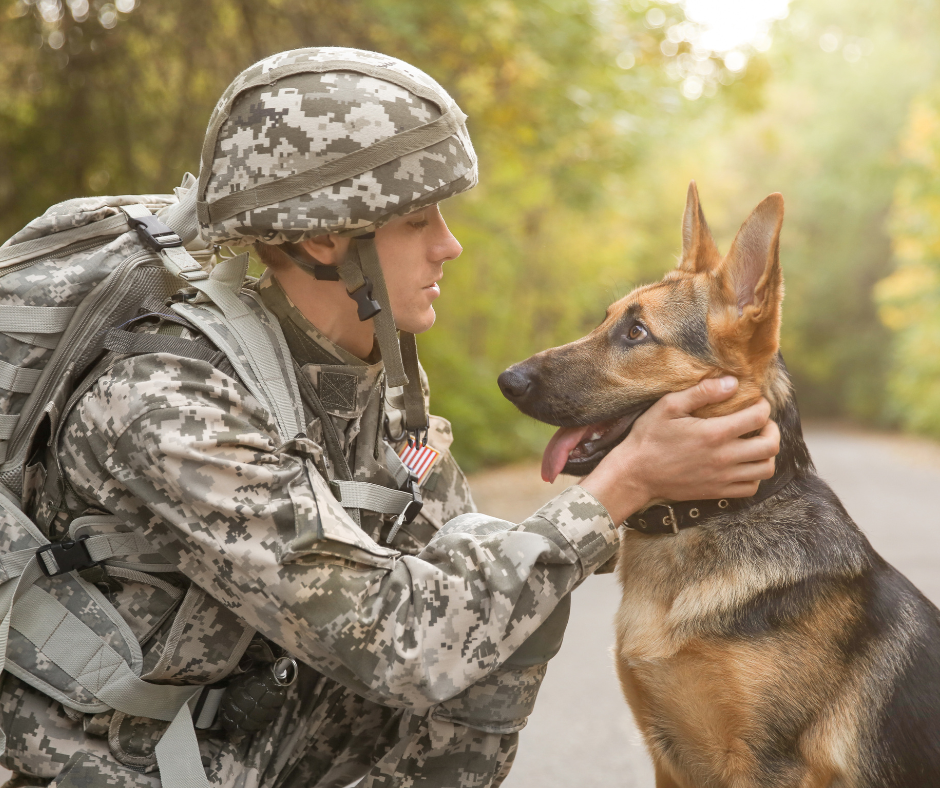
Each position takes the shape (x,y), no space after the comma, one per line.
(556,453)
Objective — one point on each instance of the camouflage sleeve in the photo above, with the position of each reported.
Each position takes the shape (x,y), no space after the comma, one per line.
(188,457)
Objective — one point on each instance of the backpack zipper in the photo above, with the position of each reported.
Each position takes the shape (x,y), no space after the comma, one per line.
(79,246)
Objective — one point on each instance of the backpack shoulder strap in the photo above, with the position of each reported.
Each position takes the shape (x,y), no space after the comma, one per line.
(241,327)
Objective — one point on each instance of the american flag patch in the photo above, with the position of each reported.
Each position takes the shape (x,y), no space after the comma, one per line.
(419,460)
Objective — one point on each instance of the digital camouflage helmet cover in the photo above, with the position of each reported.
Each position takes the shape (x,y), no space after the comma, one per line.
(333,140)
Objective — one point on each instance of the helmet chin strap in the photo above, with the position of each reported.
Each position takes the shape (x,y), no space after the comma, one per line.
(361,273)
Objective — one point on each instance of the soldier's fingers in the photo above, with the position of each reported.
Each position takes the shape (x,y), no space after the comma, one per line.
(734,425)
(760,447)
(752,471)
(706,392)
(740,490)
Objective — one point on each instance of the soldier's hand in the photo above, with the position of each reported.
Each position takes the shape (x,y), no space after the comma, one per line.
(672,455)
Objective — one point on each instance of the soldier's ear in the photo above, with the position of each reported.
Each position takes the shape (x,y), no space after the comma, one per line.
(327,249)
(699,253)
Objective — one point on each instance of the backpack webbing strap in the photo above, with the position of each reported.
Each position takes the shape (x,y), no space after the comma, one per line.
(374,497)
(8,425)
(47,341)
(80,652)
(19,380)
(161,239)
(181,216)
(270,376)
(27,250)
(36,319)
(395,466)
(128,343)
(268,356)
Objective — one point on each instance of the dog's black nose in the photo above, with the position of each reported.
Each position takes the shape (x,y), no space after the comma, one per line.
(514,384)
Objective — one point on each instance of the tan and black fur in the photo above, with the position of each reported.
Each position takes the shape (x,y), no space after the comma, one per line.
(770,646)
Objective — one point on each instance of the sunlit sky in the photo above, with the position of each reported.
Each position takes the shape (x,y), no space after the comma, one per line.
(730,24)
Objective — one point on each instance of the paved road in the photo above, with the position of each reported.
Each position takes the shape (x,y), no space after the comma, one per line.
(582,733)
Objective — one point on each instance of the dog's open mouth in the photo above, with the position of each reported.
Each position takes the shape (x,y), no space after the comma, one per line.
(578,450)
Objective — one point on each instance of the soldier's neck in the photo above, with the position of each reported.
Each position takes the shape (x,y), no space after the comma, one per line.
(329,308)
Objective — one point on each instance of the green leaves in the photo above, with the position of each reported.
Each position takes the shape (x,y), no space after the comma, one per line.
(909,298)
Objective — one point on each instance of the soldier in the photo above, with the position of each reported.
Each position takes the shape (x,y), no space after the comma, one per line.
(418,646)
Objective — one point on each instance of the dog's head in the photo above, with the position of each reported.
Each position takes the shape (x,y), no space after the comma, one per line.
(711,316)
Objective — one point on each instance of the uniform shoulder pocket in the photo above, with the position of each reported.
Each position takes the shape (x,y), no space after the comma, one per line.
(445,489)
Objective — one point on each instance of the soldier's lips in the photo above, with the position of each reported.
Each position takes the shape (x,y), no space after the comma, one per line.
(579,449)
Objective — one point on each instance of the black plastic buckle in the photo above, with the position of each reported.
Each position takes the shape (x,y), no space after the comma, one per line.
(417,502)
(70,556)
(415,441)
(154,233)
(368,306)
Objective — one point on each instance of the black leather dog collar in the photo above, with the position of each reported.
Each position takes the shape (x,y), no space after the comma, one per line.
(674,517)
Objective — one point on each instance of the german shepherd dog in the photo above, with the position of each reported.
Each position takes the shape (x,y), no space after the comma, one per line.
(768,644)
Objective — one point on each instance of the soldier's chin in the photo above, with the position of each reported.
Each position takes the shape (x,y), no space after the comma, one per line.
(417,321)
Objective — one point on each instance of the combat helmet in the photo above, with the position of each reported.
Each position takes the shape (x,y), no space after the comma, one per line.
(334,140)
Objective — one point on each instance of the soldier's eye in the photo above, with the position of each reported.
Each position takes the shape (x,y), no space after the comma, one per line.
(419,223)
(637,332)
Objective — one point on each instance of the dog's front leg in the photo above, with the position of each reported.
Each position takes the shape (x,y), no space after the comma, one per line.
(664,779)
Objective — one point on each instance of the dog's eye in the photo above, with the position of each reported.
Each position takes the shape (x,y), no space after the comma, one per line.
(637,332)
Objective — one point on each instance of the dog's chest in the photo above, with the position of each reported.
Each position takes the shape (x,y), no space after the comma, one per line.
(652,578)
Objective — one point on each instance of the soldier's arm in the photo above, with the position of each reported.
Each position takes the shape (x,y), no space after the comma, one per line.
(187,456)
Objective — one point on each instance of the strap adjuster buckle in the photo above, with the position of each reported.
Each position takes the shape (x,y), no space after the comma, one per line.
(411,510)
(366,305)
(69,556)
(417,502)
(154,233)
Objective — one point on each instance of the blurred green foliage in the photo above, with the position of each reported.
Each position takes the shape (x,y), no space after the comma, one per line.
(841,76)
(586,147)
(910,296)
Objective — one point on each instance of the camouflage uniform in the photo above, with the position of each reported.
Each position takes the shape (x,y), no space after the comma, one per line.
(420,661)
(408,671)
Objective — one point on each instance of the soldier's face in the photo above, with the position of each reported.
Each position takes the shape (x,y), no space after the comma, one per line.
(412,250)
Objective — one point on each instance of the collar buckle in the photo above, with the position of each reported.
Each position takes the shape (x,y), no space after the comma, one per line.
(671,520)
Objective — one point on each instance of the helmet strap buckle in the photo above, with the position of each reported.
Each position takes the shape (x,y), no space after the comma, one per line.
(367,306)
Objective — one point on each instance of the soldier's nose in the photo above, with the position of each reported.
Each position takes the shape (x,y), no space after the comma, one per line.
(515,384)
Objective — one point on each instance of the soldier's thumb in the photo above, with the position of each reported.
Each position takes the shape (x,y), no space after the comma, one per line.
(707,392)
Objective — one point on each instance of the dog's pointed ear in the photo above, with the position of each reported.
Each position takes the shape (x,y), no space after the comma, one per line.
(752,267)
(699,252)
